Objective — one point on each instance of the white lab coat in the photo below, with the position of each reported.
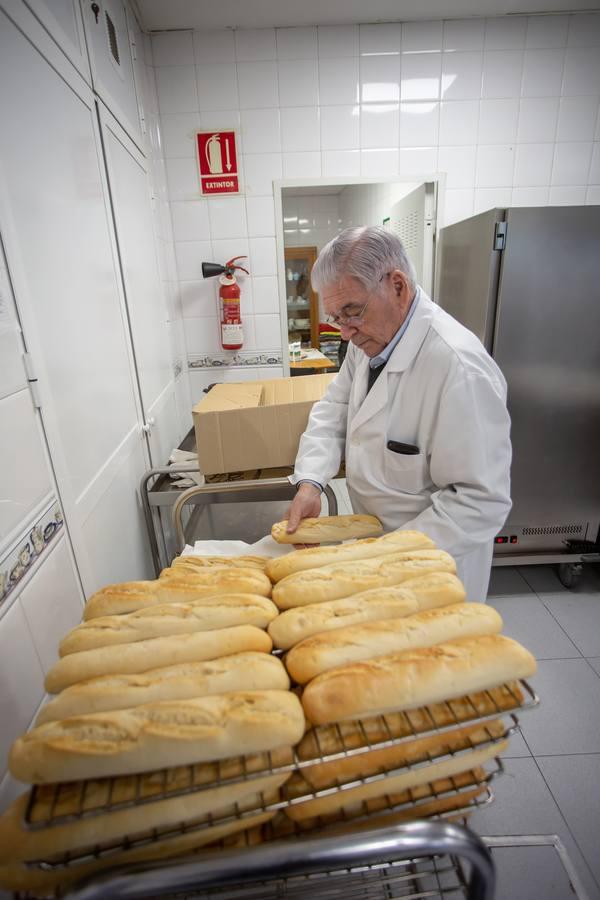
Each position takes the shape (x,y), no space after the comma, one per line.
(443,393)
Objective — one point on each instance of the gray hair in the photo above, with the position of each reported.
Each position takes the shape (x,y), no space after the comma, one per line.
(366,253)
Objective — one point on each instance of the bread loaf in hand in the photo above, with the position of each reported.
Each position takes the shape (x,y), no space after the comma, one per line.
(157,735)
(343,580)
(425,592)
(248,671)
(369,640)
(130,596)
(168,619)
(325,529)
(130,659)
(415,678)
(315,557)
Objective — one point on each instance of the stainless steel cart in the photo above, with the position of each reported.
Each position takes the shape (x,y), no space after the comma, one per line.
(168,535)
(418,859)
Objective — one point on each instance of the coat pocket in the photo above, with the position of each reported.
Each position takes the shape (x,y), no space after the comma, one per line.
(407,473)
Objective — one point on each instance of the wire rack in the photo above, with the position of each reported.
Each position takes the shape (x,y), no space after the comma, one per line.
(56,804)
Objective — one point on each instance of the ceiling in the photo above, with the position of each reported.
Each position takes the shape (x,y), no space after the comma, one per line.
(161,15)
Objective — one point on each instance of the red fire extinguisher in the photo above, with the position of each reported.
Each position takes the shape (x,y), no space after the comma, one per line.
(232,337)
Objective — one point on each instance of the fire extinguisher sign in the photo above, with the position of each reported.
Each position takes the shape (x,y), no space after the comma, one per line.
(218,162)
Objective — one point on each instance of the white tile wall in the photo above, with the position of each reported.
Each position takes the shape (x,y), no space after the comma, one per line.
(52,603)
(508,107)
(21,676)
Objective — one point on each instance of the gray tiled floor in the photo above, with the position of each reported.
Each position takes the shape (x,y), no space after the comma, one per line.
(552,779)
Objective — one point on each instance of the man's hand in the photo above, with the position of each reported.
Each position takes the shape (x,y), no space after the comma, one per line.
(306,503)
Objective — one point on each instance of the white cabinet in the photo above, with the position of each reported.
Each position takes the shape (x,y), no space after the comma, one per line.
(132,205)
(56,222)
(107,32)
(62,19)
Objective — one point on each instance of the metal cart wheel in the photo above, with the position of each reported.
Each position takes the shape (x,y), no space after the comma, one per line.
(570,573)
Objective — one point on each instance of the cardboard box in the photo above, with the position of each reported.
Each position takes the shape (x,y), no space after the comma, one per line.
(254,425)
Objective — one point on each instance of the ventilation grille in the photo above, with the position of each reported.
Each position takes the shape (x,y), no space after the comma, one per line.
(408,230)
(112,38)
(555,529)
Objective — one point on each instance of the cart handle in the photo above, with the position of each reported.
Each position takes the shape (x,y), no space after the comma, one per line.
(300,857)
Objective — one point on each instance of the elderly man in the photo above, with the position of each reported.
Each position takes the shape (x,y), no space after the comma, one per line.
(418,409)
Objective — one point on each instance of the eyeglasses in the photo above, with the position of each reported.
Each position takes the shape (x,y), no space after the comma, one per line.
(347,317)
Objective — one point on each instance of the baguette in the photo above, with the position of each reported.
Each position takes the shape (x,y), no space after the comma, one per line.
(194,563)
(423,802)
(342,580)
(323,529)
(131,659)
(20,843)
(393,784)
(415,678)
(156,735)
(39,882)
(132,595)
(168,619)
(249,671)
(315,557)
(426,592)
(362,765)
(369,640)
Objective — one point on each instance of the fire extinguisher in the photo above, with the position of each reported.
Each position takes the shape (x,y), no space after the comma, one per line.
(232,336)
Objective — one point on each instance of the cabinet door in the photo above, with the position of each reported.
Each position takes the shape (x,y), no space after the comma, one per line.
(132,206)
(107,33)
(56,225)
(62,19)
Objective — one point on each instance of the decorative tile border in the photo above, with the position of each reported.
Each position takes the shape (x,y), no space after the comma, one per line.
(19,560)
(236,360)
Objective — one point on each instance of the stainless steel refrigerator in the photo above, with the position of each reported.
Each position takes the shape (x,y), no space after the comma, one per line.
(527,283)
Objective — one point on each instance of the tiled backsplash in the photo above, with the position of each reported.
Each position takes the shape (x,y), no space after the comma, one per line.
(507,107)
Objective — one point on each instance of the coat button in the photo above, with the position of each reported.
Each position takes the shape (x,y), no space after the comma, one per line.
(355,442)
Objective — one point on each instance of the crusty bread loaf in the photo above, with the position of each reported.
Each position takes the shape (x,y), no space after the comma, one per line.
(168,619)
(422,802)
(342,580)
(130,659)
(415,678)
(132,595)
(157,735)
(20,843)
(369,640)
(395,783)
(315,557)
(426,592)
(193,562)
(362,765)
(249,671)
(325,529)
(42,883)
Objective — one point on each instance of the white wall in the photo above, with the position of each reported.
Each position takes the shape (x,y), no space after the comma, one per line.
(507,107)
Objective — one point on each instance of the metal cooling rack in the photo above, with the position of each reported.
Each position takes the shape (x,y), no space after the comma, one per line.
(46,801)
(122,844)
